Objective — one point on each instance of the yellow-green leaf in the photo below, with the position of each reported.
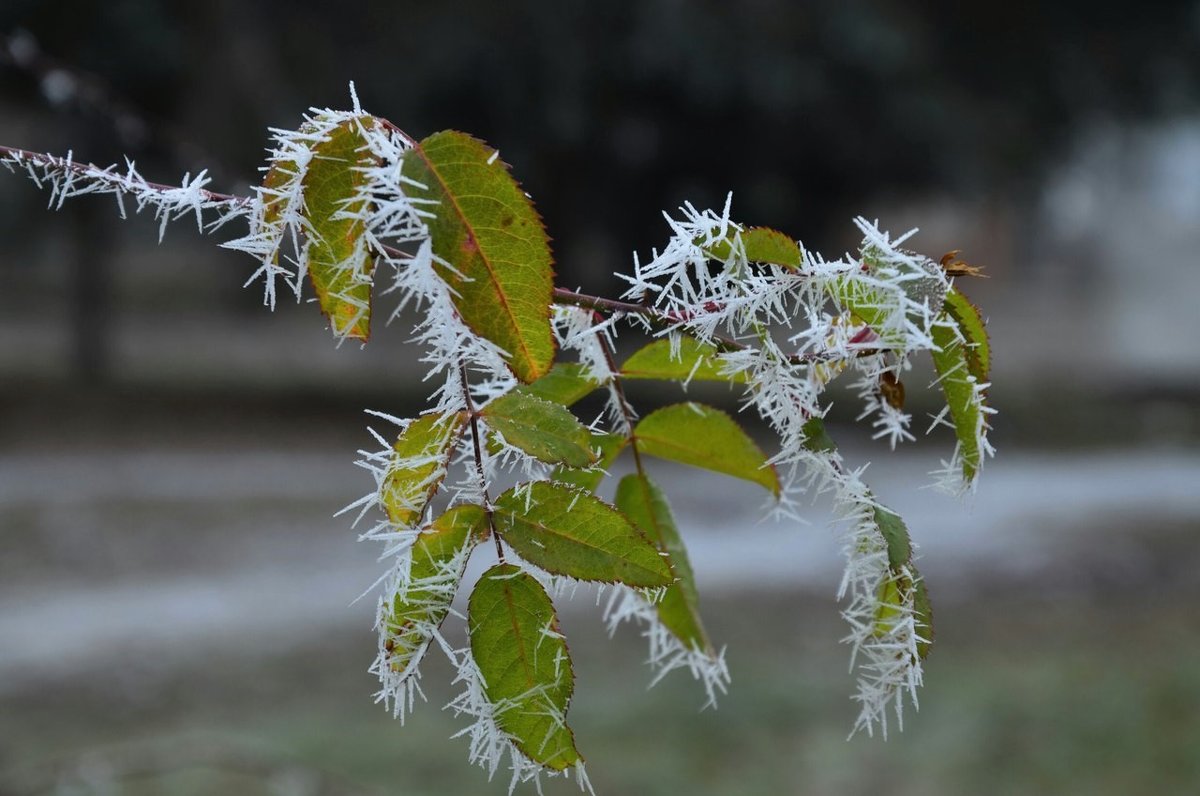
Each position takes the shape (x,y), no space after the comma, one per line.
(524,662)
(437,560)
(762,245)
(964,400)
(702,436)
(565,384)
(571,532)
(496,253)
(697,361)
(905,587)
(419,460)
(607,447)
(974,331)
(340,262)
(899,595)
(679,608)
(545,430)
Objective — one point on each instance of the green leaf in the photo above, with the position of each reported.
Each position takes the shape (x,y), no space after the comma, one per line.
(893,595)
(524,662)
(923,609)
(607,447)
(762,245)
(565,384)
(545,430)
(696,361)
(339,260)
(679,608)
(437,561)
(570,532)
(906,583)
(497,255)
(702,436)
(895,533)
(965,402)
(419,461)
(974,331)
(816,438)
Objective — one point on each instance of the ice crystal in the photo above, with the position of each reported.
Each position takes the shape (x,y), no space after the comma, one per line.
(666,652)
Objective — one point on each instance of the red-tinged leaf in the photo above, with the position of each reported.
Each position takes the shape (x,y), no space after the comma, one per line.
(494,248)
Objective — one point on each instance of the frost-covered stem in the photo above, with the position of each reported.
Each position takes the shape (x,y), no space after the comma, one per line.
(483,488)
(656,317)
(626,410)
(91,170)
(571,298)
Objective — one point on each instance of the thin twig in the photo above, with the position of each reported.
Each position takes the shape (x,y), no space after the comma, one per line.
(90,170)
(487,499)
(619,387)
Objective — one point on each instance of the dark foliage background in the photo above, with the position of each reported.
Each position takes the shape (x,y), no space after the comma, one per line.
(612,112)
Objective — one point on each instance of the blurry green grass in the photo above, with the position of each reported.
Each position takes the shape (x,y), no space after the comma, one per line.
(1096,694)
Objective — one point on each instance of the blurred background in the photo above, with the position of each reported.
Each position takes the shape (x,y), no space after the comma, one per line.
(175,597)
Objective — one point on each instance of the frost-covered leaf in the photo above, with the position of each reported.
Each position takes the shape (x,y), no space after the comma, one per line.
(524,662)
(566,384)
(895,533)
(762,245)
(545,430)
(282,194)
(974,332)
(419,461)
(900,596)
(702,436)
(870,305)
(607,448)
(281,174)
(816,438)
(889,293)
(437,560)
(964,396)
(697,361)
(923,610)
(903,593)
(570,532)
(339,262)
(493,249)
(679,608)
